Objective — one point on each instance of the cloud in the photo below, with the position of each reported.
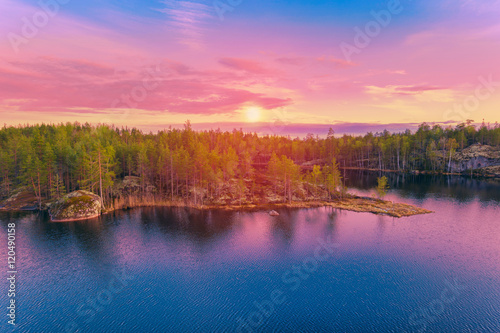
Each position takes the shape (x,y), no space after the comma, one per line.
(340,63)
(480,6)
(294,61)
(53,84)
(48,65)
(416,89)
(249,66)
(401,89)
(188,18)
(322,60)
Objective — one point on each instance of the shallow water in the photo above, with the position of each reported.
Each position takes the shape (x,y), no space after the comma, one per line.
(179,270)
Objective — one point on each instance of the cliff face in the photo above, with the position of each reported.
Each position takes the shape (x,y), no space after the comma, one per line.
(475,157)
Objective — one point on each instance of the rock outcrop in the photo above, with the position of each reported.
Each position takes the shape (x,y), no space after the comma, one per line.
(475,157)
(78,205)
(131,185)
(488,172)
(21,199)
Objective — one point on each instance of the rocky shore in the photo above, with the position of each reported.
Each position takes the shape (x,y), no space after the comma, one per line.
(353,203)
(82,205)
(21,199)
(479,160)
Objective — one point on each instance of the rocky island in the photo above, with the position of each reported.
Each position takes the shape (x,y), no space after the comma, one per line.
(82,205)
(75,170)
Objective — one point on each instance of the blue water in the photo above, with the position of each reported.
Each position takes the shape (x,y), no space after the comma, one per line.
(178,270)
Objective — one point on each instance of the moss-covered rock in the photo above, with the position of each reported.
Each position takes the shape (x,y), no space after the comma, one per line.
(21,199)
(76,205)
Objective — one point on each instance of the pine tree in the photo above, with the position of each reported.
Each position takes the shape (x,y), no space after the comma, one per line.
(333,179)
(382,186)
(57,189)
(5,184)
(273,170)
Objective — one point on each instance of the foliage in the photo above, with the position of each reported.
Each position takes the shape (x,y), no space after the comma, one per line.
(382,186)
(183,164)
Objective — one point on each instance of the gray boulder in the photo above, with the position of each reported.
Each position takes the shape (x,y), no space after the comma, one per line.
(78,205)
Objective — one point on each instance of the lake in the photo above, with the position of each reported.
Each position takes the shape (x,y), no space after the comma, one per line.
(307,270)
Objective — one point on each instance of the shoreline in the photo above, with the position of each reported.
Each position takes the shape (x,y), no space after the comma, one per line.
(76,219)
(352,203)
(427,172)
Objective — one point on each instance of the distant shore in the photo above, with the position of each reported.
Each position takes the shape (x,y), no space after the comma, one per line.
(421,172)
(476,173)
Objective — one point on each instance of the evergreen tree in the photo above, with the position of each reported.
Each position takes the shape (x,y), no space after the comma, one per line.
(382,186)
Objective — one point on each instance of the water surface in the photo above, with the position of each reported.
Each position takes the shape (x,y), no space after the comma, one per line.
(189,271)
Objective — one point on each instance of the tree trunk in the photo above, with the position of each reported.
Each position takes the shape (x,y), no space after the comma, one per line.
(171,178)
(100,179)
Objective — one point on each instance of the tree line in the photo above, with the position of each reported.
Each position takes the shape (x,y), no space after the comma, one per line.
(52,160)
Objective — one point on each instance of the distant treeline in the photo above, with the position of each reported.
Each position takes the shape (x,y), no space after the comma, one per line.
(192,165)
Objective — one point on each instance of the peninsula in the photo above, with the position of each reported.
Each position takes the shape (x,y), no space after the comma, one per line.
(42,165)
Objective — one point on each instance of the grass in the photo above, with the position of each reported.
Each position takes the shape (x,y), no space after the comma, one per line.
(351,203)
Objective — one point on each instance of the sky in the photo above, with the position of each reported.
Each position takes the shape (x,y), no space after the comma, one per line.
(275,67)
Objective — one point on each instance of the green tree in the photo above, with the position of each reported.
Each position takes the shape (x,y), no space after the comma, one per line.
(333,179)
(382,186)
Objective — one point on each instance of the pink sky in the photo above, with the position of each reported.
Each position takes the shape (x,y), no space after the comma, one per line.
(118,67)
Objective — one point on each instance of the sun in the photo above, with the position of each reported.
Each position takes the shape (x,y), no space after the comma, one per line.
(253,114)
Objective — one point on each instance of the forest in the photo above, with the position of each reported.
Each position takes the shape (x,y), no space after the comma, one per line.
(211,165)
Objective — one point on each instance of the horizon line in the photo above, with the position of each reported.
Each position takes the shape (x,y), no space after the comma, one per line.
(274,128)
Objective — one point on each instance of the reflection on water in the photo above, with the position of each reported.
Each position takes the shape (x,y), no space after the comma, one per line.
(461,188)
(204,271)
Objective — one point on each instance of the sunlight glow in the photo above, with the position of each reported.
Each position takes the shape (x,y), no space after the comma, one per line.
(253,114)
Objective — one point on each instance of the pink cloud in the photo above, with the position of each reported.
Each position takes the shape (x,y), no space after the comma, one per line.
(63,85)
(249,66)
(295,61)
(405,90)
(189,20)
(76,66)
(341,63)
(321,60)
(417,88)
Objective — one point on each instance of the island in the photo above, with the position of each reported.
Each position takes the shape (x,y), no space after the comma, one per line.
(79,171)
(82,205)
